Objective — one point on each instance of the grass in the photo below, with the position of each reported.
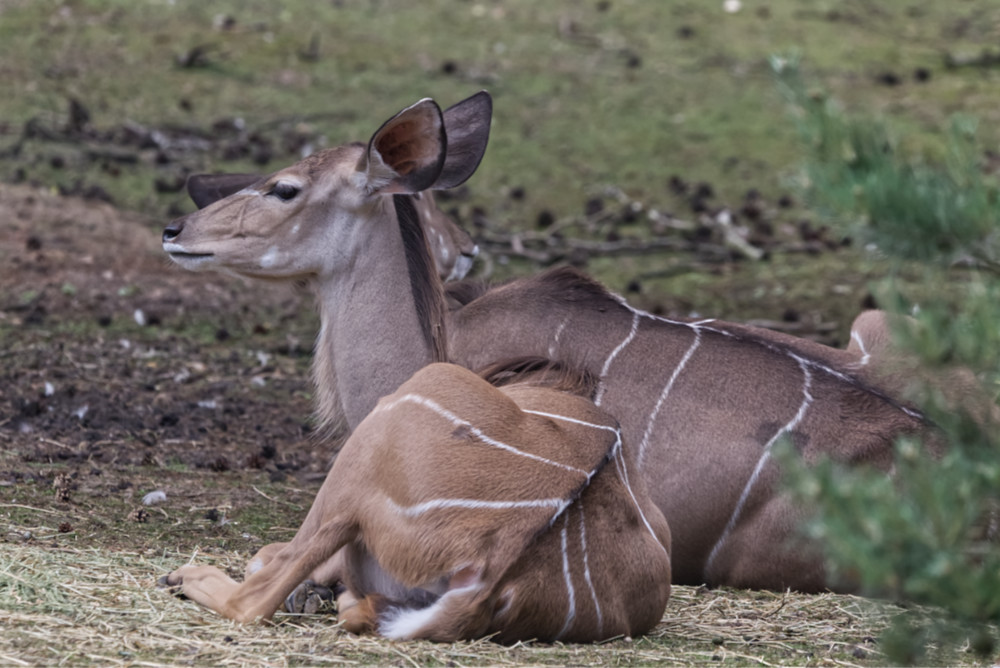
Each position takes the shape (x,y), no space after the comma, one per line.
(70,605)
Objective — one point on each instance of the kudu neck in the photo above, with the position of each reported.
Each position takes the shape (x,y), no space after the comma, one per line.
(382,318)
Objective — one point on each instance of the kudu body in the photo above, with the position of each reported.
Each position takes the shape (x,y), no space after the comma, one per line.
(702,403)
(461,509)
(465,510)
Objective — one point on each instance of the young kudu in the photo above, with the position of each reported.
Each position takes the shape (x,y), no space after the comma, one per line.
(461,509)
(465,510)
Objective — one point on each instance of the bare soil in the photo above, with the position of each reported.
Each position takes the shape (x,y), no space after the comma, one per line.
(120,374)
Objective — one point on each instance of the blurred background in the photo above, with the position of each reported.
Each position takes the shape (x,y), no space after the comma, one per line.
(647,141)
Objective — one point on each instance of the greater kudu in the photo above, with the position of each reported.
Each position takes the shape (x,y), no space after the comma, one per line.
(702,403)
(446,449)
(463,510)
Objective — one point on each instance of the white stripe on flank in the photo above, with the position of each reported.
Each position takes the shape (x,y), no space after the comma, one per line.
(477,504)
(570,592)
(641,458)
(614,354)
(554,346)
(861,344)
(459,422)
(807,399)
(623,475)
(565,418)
(586,571)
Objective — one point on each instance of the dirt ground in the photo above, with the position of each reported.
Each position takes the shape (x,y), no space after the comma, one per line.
(120,373)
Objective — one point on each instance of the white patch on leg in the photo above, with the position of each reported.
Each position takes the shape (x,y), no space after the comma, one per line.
(411,623)
(255,565)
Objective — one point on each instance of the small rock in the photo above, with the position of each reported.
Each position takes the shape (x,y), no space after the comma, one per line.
(154,497)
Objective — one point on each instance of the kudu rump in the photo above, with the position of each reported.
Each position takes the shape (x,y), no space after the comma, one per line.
(455,509)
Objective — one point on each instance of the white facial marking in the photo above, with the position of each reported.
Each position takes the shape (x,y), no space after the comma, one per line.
(270,258)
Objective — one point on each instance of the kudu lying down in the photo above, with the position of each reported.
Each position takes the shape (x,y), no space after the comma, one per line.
(702,403)
(465,510)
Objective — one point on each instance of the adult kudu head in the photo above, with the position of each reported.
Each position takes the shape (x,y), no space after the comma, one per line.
(453,249)
(345,220)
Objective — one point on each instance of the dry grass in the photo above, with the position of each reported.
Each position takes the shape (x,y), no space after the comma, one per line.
(60,605)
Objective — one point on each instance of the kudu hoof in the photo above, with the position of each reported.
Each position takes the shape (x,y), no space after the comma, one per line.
(172,588)
(310,598)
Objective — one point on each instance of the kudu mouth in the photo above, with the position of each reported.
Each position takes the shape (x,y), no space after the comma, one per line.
(176,251)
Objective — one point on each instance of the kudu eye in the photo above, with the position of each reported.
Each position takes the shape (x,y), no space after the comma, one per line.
(284,191)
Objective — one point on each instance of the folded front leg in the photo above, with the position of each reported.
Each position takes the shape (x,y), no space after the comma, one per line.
(264,591)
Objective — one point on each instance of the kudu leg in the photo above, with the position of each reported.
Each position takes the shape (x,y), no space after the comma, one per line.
(318,589)
(264,591)
(768,551)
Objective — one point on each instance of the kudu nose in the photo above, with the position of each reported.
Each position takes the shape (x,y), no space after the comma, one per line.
(173,230)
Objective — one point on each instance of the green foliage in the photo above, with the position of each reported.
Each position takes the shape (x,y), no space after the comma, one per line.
(909,207)
(927,534)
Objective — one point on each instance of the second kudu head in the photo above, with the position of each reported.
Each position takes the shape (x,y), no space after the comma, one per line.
(294,223)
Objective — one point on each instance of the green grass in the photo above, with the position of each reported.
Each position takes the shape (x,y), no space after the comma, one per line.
(573,111)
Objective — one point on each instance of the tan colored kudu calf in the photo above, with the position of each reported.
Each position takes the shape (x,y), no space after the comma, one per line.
(702,403)
(465,510)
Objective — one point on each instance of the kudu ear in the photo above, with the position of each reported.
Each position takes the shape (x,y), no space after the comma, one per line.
(407,153)
(204,189)
(468,127)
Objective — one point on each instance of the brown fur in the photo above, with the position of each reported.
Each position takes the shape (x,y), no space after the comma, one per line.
(699,401)
(503,571)
(540,371)
(451,493)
